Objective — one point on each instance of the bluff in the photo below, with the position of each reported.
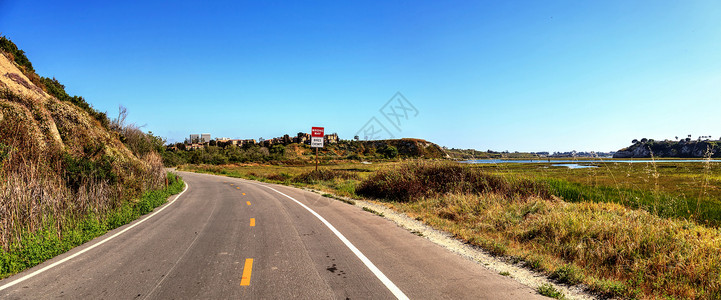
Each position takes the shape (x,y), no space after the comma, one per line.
(408,147)
(60,159)
(680,149)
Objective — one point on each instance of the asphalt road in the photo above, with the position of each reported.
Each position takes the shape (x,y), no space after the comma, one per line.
(231,238)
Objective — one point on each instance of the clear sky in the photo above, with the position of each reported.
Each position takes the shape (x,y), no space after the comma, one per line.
(500,75)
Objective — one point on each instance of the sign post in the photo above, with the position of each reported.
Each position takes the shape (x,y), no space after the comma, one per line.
(316,141)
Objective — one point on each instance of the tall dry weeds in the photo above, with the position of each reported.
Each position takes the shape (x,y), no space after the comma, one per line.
(35,189)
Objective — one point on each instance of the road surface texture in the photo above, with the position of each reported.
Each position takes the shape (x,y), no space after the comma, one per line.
(227,238)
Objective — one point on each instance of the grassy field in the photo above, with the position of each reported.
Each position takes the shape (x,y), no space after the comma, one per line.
(689,190)
(622,230)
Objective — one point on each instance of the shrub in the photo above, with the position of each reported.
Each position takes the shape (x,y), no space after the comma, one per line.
(323,175)
(419,179)
(550,291)
(56,89)
(389,151)
(79,171)
(17,55)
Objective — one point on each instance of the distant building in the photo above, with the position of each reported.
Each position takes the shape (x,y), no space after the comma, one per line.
(194,147)
(194,138)
(302,138)
(331,138)
(205,138)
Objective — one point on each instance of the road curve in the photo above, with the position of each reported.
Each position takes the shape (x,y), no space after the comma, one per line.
(233,238)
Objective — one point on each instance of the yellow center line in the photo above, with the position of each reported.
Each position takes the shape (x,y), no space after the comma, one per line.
(252,222)
(243,194)
(247,202)
(245,280)
(237,187)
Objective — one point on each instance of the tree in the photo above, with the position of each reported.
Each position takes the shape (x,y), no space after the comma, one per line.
(635,141)
(277,150)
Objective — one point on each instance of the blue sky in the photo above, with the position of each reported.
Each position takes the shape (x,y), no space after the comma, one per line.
(501,75)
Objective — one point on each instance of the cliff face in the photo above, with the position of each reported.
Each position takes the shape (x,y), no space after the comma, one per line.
(61,161)
(40,126)
(681,149)
(54,154)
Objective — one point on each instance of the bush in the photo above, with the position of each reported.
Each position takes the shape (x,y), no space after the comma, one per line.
(56,89)
(389,151)
(17,55)
(413,180)
(79,171)
(323,175)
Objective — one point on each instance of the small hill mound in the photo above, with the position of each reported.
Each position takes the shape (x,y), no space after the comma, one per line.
(680,149)
(408,147)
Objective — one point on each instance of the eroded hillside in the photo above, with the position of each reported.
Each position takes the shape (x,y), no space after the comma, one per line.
(59,159)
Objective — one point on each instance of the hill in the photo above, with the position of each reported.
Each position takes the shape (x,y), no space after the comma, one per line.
(681,149)
(299,153)
(407,148)
(60,159)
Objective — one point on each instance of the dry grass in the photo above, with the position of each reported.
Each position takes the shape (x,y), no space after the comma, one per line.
(614,250)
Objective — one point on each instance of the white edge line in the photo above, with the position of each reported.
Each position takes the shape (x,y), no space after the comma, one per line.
(387,282)
(33,274)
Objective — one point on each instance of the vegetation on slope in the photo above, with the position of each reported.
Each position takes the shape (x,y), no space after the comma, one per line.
(218,153)
(63,166)
(51,86)
(685,148)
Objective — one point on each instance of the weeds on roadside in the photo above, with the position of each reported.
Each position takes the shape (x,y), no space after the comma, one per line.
(41,244)
(550,291)
(370,210)
(323,175)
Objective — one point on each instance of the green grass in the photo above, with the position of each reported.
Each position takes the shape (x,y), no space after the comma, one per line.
(679,190)
(46,243)
(370,210)
(550,291)
(347,201)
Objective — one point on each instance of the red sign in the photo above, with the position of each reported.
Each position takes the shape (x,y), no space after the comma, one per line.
(317,132)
